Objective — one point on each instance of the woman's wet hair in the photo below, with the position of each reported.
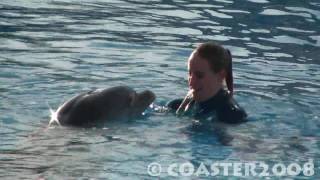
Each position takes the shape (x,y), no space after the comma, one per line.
(219,59)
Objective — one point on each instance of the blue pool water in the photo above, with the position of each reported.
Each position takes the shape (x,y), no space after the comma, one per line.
(51,50)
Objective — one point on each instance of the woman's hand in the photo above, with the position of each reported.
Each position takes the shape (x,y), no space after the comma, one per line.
(185,104)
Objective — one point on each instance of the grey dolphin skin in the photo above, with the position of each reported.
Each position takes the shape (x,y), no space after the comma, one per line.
(98,106)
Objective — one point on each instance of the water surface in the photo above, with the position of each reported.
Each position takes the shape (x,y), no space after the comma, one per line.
(52,50)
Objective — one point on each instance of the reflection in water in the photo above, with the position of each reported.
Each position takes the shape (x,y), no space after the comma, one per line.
(52,49)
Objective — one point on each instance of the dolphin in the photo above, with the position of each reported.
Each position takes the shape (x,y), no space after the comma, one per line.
(98,106)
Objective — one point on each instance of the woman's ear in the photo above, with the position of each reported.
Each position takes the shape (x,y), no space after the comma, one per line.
(222,75)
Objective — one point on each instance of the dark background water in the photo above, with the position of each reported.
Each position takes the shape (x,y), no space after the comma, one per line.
(51,50)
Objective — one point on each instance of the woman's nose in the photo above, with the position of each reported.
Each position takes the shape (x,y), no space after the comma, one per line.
(192,81)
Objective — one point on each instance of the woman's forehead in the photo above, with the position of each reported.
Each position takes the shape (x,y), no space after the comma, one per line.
(197,62)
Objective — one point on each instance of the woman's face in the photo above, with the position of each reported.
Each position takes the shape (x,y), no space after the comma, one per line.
(203,82)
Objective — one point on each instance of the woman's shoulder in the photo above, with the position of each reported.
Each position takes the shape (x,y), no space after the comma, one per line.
(230,111)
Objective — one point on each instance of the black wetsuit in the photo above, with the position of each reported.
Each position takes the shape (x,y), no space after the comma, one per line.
(222,106)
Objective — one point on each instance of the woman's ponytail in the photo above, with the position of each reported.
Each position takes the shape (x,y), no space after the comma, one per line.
(229,75)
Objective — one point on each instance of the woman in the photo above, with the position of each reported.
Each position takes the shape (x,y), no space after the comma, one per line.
(210,65)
